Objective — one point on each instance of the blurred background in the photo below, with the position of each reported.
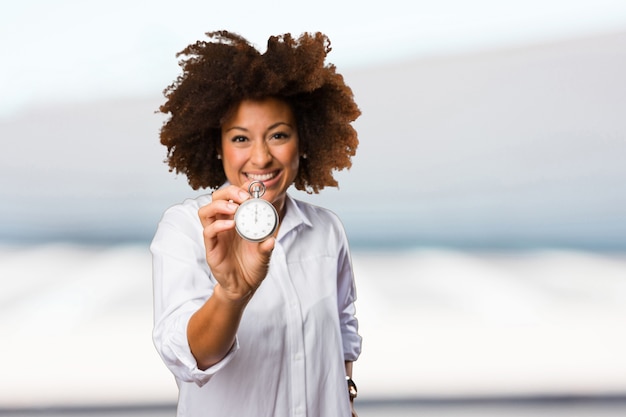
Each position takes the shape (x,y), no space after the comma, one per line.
(486,206)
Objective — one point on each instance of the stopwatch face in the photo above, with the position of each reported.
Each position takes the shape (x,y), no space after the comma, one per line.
(256,220)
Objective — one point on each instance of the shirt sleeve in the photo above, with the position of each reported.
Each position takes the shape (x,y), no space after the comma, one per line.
(182,283)
(346,296)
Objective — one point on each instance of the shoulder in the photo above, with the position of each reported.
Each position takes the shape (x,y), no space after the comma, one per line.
(316,213)
(320,220)
(180,230)
(183,217)
(189,206)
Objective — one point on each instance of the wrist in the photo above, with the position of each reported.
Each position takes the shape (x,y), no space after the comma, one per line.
(226,297)
(352,389)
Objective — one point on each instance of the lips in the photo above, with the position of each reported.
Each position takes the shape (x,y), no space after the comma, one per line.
(262,177)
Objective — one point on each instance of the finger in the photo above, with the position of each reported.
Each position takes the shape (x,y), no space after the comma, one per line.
(212,231)
(232,192)
(267,246)
(217,210)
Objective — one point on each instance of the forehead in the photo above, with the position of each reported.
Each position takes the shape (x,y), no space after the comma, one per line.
(251,111)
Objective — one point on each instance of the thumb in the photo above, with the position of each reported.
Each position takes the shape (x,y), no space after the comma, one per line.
(267,246)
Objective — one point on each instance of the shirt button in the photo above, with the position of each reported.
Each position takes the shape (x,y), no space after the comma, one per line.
(298,356)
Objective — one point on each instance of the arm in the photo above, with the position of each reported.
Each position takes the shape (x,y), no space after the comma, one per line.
(352,397)
(212,329)
(238,266)
(349,368)
(349,324)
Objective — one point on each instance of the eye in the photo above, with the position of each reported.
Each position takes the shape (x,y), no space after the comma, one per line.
(279,136)
(239,139)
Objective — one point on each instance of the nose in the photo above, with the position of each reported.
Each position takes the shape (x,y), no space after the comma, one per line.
(260,154)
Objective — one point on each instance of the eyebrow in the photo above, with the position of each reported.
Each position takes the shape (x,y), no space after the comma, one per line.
(274,126)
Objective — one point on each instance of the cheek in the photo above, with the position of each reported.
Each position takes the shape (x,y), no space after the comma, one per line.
(294,155)
(292,159)
(232,163)
(231,156)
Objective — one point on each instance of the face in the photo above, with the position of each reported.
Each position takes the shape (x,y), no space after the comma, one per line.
(260,143)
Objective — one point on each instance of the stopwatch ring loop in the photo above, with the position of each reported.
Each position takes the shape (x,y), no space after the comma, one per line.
(256,189)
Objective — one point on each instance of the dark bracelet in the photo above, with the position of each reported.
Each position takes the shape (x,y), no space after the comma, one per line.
(352,390)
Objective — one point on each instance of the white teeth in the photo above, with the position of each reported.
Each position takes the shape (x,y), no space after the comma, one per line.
(261,177)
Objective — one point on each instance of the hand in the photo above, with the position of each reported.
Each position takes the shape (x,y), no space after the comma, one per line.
(238,266)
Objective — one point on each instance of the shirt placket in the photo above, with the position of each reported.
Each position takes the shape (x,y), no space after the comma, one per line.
(295,335)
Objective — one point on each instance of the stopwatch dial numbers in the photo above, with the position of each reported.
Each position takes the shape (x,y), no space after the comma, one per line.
(256,221)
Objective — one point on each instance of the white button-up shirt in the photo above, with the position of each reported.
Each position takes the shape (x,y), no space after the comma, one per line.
(294,336)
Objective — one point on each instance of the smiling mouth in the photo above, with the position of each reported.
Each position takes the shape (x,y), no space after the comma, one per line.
(261,177)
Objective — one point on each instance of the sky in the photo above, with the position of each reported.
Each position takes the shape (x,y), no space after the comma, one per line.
(74,50)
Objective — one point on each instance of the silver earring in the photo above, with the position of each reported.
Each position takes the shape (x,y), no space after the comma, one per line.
(219,156)
(304,156)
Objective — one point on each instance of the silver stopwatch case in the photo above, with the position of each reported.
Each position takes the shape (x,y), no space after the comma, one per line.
(256,219)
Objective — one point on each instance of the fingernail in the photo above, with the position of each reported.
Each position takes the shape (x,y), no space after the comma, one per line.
(243,195)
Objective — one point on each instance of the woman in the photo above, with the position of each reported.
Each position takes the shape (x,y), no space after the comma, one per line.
(257,328)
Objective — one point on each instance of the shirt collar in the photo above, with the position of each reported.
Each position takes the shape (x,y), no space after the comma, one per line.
(294,217)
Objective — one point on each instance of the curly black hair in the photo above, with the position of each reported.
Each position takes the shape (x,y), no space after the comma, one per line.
(220,73)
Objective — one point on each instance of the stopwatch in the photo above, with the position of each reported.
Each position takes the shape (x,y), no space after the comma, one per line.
(256,219)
